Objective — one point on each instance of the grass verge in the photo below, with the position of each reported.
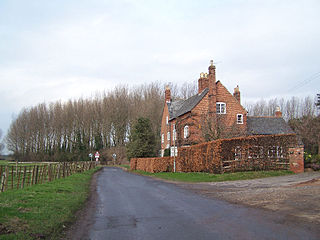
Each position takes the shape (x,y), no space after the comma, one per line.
(207,177)
(42,211)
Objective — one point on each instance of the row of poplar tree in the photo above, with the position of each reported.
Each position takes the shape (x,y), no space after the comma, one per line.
(61,131)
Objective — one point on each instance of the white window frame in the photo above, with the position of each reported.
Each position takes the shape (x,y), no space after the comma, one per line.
(186,131)
(168,136)
(241,118)
(167,120)
(174,134)
(173,151)
(162,138)
(220,109)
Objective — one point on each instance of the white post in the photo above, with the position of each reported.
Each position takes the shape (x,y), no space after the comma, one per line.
(174,148)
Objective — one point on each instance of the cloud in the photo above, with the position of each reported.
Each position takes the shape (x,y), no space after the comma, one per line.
(66,49)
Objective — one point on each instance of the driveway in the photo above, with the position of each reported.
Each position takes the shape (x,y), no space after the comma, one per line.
(295,195)
(128,206)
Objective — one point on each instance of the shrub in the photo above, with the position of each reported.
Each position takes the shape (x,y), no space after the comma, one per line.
(166,152)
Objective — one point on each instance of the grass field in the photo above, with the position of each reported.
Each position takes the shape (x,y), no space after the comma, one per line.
(42,211)
(207,177)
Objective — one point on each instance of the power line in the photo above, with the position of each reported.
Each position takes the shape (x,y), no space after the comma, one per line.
(305,81)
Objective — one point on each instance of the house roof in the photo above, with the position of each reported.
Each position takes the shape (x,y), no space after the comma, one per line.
(267,125)
(180,107)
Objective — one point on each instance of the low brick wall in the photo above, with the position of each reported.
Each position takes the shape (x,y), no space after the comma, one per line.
(272,152)
(296,159)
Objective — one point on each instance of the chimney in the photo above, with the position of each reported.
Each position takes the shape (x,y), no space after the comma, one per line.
(203,82)
(278,112)
(236,93)
(212,88)
(167,94)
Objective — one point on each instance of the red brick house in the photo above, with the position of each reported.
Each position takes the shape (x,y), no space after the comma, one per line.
(212,113)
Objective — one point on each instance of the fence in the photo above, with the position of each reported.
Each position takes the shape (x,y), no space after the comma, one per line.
(15,177)
(271,152)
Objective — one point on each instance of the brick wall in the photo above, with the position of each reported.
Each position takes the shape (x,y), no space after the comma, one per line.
(233,107)
(296,159)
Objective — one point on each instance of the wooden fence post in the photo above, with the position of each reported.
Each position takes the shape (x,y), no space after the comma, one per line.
(36,175)
(29,175)
(19,173)
(32,176)
(11,177)
(2,177)
(6,179)
(43,172)
(24,176)
(49,173)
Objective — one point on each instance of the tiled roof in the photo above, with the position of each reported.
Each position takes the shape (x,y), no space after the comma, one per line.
(180,107)
(267,126)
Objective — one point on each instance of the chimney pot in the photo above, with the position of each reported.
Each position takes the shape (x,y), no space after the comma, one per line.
(278,112)
(236,93)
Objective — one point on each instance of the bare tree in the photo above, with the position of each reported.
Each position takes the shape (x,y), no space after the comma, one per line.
(1,142)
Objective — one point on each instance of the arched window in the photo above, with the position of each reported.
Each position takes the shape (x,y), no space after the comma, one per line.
(186,131)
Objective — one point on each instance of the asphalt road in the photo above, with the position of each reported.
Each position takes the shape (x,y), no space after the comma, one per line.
(136,207)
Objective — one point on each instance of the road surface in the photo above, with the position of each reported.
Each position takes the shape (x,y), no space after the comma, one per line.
(133,207)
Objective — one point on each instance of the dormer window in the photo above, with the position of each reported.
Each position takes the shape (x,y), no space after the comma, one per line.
(221,108)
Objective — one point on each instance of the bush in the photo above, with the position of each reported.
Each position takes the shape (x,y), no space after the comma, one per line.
(315,166)
(312,161)
(166,152)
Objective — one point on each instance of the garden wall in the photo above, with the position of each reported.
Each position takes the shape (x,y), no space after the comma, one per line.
(265,152)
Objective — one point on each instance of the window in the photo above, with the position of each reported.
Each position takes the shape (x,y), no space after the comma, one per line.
(167,120)
(162,138)
(237,153)
(221,108)
(173,151)
(186,131)
(168,136)
(275,152)
(174,133)
(239,119)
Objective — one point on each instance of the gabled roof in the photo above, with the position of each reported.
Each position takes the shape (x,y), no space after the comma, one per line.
(180,107)
(267,126)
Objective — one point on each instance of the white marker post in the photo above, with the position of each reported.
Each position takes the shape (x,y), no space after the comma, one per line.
(114,156)
(90,156)
(97,155)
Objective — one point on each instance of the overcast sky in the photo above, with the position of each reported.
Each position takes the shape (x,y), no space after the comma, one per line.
(52,50)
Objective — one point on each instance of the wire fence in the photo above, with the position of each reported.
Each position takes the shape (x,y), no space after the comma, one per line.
(20,176)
